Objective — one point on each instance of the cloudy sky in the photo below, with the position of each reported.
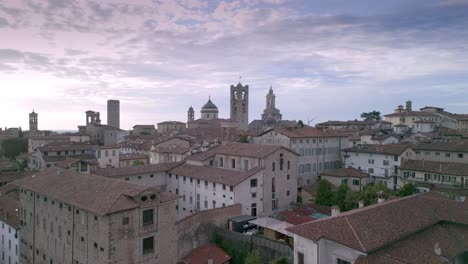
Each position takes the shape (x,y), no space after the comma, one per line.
(328,58)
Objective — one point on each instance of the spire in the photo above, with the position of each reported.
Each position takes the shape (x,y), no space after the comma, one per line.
(271,90)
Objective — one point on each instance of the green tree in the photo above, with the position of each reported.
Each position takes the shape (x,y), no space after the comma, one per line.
(138,163)
(371,193)
(324,193)
(340,196)
(243,139)
(371,116)
(300,124)
(12,147)
(407,189)
(253,258)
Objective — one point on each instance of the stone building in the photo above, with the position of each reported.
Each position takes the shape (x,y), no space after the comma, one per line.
(9,228)
(271,116)
(240,105)
(320,150)
(69,217)
(190,115)
(54,153)
(262,178)
(424,228)
(108,156)
(408,117)
(113,113)
(168,127)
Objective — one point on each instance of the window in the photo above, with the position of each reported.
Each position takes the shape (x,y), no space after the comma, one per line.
(288,177)
(148,216)
(127,178)
(148,245)
(273,166)
(340,261)
(371,161)
(254,195)
(125,220)
(253,183)
(386,162)
(447,155)
(344,181)
(460,155)
(281,161)
(287,193)
(253,211)
(370,170)
(300,258)
(221,162)
(289,164)
(355,182)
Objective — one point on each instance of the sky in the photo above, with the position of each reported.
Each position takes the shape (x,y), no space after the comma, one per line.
(325,59)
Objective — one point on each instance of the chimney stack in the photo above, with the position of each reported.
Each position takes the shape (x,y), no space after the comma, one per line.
(335,211)
(210,260)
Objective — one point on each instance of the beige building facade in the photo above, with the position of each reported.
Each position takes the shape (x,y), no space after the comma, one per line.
(64,220)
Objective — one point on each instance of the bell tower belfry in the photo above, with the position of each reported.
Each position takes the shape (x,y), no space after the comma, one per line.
(240,105)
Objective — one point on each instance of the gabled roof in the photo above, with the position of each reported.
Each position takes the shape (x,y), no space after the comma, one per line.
(134,170)
(386,149)
(412,113)
(373,227)
(454,146)
(201,255)
(92,193)
(447,168)
(239,149)
(305,132)
(213,174)
(346,172)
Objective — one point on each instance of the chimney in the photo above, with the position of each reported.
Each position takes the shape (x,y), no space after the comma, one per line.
(361,204)
(437,249)
(210,260)
(335,211)
(409,106)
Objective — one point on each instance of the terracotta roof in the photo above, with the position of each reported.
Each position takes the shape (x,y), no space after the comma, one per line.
(213,174)
(176,150)
(65,146)
(240,149)
(143,126)
(9,211)
(419,248)
(346,172)
(171,122)
(305,132)
(455,146)
(413,113)
(134,170)
(98,195)
(71,161)
(370,228)
(352,122)
(12,176)
(448,168)
(202,254)
(387,149)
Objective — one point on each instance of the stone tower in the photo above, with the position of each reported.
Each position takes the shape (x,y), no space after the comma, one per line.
(33,122)
(240,105)
(190,114)
(113,113)
(271,114)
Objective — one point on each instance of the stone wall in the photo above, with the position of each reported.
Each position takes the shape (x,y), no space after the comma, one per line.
(196,230)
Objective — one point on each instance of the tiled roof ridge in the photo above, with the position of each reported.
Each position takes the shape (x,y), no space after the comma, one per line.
(108,210)
(355,234)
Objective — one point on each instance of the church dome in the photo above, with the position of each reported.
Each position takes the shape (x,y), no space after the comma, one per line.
(209,106)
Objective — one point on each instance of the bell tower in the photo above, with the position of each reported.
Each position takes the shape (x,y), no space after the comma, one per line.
(190,115)
(33,122)
(240,105)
